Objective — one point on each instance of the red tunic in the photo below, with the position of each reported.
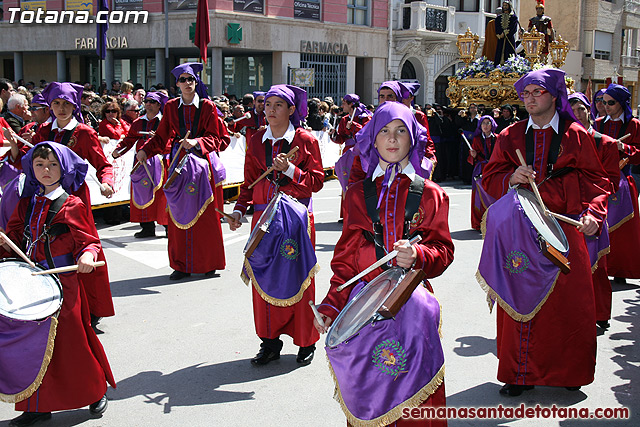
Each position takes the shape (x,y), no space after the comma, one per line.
(157,211)
(354,253)
(482,155)
(198,249)
(624,258)
(430,149)
(106,128)
(608,153)
(297,320)
(558,346)
(343,135)
(84,142)
(78,372)
(253,123)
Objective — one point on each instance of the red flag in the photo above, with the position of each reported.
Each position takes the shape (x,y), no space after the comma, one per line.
(203,30)
(589,91)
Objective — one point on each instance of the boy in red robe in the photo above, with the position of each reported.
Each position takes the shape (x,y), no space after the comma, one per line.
(78,372)
(285,107)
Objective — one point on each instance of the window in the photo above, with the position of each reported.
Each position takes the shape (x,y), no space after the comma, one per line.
(490,6)
(465,5)
(357,12)
(330,74)
(602,45)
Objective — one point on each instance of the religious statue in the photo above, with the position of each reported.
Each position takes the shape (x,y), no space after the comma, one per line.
(506,26)
(542,23)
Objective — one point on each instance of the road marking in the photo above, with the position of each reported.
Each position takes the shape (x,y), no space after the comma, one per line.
(152,259)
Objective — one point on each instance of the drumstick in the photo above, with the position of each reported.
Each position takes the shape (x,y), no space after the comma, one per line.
(391,255)
(19,138)
(622,163)
(64,269)
(144,132)
(534,187)
(96,180)
(564,218)
(465,138)
(246,116)
(317,314)
(229,217)
(624,137)
(16,249)
(268,171)
(175,159)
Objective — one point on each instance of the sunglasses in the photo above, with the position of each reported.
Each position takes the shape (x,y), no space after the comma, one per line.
(110,111)
(260,101)
(150,101)
(187,79)
(36,108)
(600,99)
(610,102)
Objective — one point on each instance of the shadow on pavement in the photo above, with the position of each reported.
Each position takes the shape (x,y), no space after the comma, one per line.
(144,285)
(474,345)
(328,226)
(198,384)
(470,234)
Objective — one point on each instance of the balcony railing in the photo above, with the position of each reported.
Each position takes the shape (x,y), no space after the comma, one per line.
(630,61)
(424,16)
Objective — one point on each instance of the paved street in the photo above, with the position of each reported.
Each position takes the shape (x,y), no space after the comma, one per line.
(180,351)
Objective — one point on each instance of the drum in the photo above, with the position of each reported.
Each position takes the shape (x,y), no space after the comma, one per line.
(390,358)
(29,306)
(553,241)
(27,297)
(523,253)
(262,227)
(280,247)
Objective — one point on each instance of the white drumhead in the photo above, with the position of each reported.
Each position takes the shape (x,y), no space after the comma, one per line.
(361,309)
(27,297)
(545,225)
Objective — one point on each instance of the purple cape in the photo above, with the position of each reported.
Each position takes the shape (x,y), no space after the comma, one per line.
(191,193)
(143,191)
(11,194)
(598,246)
(72,167)
(552,80)
(623,96)
(512,269)
(391,364)
(285,251)
(293,95)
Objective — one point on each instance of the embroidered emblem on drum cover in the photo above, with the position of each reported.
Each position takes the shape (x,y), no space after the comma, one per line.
(418,217)
(613,199)
(390,358)
(191,188)
(517,262)
(289,249)
(145,182)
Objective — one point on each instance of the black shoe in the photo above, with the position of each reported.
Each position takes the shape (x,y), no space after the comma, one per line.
(305,354)
(514,389)
(95,320)
(29,419)
(619,280)
(100,406)
(145,232)
(265,355)
(603,324)
(573,388)
(178,275)
(211,273)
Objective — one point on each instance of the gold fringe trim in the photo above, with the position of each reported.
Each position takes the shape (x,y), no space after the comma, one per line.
(198,215)
(622,221)
(155,189)
(276,301)
(602,253)
(483,224)
(26,393)
(506,307)
(395,413)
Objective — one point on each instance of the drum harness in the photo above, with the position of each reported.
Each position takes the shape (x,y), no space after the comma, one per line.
(412,204)
(194,125)
(554,151)
(66,137)
(50,230)
(268,153)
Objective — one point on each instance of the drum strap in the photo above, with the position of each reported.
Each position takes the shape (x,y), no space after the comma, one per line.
(194,125)
(416,188)
(268,160)
(621,132)
(554,150)
(49,230)
(65,138)
(155,125)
